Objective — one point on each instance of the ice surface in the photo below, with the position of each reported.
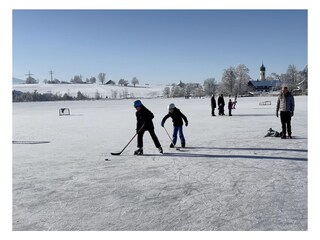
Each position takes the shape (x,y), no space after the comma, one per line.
(230,177)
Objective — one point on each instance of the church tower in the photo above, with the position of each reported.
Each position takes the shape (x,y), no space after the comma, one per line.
(262,73)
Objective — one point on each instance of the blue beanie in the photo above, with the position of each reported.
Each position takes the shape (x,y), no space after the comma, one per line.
(137,103)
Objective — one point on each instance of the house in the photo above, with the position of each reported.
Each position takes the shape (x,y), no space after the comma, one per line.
(263,85)
(110,82)
(260,86)
(181,84)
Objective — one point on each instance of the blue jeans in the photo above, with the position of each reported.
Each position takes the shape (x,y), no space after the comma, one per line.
(177,129)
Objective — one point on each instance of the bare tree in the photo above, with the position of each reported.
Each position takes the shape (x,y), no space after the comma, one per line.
(273,76)
(135,81)
(121,82)
(102,77)
(304,76)
(177,91)
(229,81)
(242,75)
(114,94)
(291,77)
(166,92)
(209,86)
(92,80)
(76,79)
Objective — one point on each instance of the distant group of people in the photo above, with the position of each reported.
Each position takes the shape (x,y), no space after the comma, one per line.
(221,104)
(285,105)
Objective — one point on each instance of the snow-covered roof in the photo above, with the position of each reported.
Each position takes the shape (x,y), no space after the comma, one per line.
(265,83)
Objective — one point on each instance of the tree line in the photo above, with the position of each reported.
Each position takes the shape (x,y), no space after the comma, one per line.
(78,79)
(18,96)
(234,82)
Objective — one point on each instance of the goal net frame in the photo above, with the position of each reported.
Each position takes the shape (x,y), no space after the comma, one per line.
(64,111)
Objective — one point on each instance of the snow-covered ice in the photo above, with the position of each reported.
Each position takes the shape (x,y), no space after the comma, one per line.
(230,177)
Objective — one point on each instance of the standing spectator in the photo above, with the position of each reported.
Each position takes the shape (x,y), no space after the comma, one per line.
(221,104)
(285,104)
(230,105)
(177,117)
(144,123)
(213,105)
(234,102)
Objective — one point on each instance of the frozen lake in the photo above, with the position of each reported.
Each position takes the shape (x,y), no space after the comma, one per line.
(230,177)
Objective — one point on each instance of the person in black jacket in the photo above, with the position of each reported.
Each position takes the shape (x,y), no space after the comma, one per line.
(177,117)
(144,123)
(213,105)
(221,104)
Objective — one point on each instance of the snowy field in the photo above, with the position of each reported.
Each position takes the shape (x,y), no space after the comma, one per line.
(230,177)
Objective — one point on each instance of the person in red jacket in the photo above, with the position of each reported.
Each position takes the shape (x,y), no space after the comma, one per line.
(230,105)
(177,117)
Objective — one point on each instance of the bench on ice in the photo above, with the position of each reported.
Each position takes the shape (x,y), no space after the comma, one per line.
(265,103)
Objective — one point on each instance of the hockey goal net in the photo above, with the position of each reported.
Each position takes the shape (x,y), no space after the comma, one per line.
(64,111)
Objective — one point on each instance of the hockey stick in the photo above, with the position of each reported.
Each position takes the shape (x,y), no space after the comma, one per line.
(128,142)
(171,139)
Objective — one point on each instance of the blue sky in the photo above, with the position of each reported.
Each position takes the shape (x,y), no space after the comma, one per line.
(156,46)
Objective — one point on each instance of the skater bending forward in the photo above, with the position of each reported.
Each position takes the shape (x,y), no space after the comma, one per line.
(144,123)
(177,117)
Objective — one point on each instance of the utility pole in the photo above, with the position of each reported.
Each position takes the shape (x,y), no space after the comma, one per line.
(29,79)
(51,73)
(29,74)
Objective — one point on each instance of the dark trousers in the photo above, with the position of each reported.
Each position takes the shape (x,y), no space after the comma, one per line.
(285,118)
(221,110)
(153,136)
(212,111)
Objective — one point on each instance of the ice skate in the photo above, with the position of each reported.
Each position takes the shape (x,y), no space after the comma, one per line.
(160,149)
(139,151)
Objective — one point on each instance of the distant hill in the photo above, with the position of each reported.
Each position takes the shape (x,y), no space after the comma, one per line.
(17,81)
(92,90)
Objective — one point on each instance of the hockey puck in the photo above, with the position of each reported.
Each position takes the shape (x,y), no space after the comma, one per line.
(107,159)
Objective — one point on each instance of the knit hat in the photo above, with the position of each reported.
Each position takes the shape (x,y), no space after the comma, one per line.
(171,106)
(137,103)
